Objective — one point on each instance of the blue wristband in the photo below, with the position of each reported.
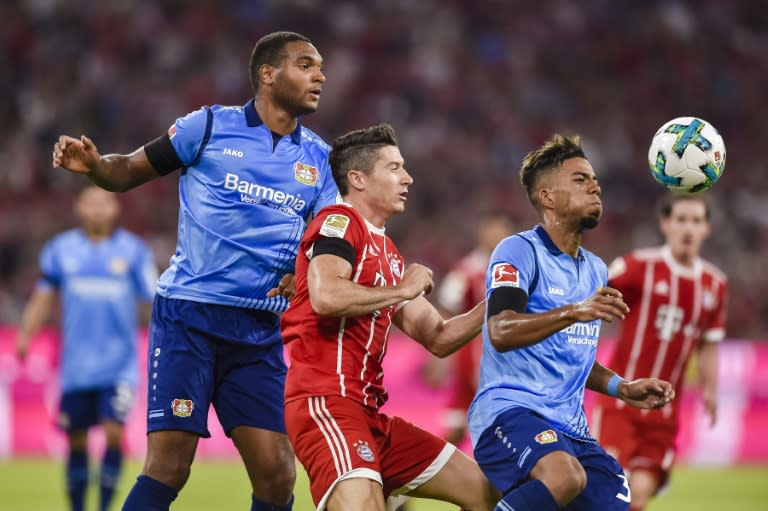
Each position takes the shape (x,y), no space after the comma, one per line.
(613,385)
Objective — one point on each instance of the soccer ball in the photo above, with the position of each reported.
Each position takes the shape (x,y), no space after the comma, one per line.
(687,155)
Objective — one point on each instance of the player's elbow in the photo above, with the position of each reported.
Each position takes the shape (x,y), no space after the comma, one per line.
(323,304)
(499,336)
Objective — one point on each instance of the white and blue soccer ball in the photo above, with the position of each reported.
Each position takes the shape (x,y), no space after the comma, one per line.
(687,155)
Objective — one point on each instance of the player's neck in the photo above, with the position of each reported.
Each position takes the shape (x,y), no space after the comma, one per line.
(277,119)
(371,214)
(682,258)
(97,235)
(566,239)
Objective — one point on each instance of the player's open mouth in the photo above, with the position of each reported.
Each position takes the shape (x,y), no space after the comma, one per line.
(404,196)
(315,93)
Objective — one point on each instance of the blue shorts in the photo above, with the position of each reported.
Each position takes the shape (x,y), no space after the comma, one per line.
(81,409)
(201,354)
(509,449)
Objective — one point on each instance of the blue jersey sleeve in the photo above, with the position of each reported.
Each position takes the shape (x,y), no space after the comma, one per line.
(512,264)
(144,273)
(187,134)
(329,194)
(49,266)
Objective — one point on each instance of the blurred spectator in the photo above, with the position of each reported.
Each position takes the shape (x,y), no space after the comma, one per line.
(466,84)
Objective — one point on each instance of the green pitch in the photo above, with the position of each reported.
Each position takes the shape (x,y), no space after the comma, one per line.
(37,485)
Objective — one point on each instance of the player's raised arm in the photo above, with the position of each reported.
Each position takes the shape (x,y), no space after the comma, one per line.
(509,327)
(113,172)
(421,321)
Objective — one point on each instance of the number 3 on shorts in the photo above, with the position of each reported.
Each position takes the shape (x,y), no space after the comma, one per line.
(621,496)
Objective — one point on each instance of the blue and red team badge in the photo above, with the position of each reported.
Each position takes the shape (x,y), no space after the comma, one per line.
(365,452)
(305,174)
(182,407)
(548,436)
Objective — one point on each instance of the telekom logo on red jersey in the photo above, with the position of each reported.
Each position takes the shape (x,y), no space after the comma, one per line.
(504,274)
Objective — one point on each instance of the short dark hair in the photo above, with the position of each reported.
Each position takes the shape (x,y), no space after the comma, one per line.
(358,150)
(669,200)
(549,156)
(269,50)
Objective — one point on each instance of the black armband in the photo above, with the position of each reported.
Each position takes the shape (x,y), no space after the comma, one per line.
(335,246)
(507,298)
(162,156)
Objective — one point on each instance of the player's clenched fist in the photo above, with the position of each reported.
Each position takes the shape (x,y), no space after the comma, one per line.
(606,304)
(417,280)
(75,155)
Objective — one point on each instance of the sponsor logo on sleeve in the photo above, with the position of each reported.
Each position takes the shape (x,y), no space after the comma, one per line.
(305,174)
(182,407)
(334,226)
(548,436)
(505,275)
(172,131)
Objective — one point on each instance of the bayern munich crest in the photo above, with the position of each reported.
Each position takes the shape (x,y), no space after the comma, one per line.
(394,265)
(365,452)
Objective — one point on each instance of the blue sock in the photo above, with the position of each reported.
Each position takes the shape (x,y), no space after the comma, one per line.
(77,479)
(149,494)
(257,505)
(530,496)
(110,470)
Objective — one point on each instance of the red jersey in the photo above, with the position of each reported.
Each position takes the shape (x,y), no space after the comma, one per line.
(462,288)
(341,356)
(672,309)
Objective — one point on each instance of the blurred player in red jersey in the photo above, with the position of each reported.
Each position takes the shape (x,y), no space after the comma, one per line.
(462,288)
(351,285)
(678,303)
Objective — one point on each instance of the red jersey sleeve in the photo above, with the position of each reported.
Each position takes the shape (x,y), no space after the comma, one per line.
(714,329)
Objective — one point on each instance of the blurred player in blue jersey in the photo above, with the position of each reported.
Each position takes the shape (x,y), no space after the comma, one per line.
(546,299)
(100,273)
(251,176)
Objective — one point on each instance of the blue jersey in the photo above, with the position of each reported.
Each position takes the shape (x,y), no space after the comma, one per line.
(547,377)
(244,199)
(99,284)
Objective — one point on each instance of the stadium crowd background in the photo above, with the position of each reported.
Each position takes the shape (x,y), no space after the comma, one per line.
(470,86)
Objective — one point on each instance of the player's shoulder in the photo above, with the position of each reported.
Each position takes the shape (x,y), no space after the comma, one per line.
(313,140)
(716,273)
(126,237)
(646,254)
(69,237)
(340,215)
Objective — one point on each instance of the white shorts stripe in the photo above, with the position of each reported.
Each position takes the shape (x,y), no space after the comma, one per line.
(337,429)
(332,441)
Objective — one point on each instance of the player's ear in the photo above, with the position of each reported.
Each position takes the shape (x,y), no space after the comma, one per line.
(545,197)
(356,179)
(267,74)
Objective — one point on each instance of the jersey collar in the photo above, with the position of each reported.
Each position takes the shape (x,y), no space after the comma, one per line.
(542,233)
(253,120)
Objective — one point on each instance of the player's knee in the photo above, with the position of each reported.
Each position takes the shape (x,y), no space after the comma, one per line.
(568,483)
(275,484)
(170,471)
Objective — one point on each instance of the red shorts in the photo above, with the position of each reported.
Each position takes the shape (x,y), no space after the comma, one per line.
(637,444)
(336,438)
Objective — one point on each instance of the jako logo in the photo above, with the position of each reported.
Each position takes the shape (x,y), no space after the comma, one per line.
(233,152)
(254,193)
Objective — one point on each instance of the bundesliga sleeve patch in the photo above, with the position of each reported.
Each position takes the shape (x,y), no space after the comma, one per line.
(505,275)
(335,226)
(172,131)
